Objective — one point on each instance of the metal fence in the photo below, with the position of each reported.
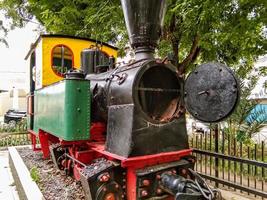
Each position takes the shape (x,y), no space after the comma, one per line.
(226,162)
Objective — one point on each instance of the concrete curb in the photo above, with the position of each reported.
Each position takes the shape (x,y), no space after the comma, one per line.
(26,187)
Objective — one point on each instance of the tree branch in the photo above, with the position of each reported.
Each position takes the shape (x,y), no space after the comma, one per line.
(192,55)
(175,36)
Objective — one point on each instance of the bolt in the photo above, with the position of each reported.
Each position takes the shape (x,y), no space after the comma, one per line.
(158,177)
(159,191)
(174,171)
(104,178)
(110,196)
(104,189)
(117,186)
(184,171)
(146,182)
(144,193)
(124,180)
(196,72)
(220,69)
(122,196)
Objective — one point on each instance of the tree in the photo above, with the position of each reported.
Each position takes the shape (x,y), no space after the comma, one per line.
(244,123)
(231,31)
(101,20)
(3,32)
(194,30)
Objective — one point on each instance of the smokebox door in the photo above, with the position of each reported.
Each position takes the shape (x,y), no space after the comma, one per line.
(211,92)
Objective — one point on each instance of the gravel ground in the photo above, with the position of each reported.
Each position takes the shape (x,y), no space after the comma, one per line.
(53,183)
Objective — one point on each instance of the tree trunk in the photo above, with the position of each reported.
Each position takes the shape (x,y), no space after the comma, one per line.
(191,57)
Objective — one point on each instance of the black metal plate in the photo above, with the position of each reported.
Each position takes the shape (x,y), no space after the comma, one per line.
(211,92)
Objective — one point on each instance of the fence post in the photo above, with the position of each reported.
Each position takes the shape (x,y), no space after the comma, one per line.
(216,132)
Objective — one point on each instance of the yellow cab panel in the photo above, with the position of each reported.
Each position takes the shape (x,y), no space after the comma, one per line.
(50,50)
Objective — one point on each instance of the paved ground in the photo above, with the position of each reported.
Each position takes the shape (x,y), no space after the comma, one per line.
(229,195)
(7,188)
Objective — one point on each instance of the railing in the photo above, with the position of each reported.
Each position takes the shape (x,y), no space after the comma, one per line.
(226,162)
(14,139)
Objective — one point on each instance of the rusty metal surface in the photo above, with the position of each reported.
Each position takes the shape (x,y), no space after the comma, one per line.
(101,178)
(211,92)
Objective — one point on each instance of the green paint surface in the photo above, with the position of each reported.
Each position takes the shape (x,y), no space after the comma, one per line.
(63,110)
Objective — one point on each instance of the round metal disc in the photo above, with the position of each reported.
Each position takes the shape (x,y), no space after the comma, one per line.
(211,92)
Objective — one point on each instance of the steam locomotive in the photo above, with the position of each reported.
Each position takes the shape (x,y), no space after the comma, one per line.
(121,129)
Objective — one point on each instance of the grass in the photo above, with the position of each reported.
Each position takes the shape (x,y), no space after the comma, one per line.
(35,175)
(19,127)
(14,135)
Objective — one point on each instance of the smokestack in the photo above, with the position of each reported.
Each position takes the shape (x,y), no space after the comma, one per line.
(144,20)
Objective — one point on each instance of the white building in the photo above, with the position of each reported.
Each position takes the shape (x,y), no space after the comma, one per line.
(10,100)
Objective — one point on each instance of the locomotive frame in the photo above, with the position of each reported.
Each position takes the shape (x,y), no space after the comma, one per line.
(121,130)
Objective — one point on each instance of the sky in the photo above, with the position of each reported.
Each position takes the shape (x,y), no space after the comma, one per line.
(12,64)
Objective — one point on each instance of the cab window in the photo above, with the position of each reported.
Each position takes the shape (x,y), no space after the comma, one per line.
(62,59)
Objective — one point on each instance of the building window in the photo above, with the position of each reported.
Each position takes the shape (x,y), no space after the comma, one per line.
(62,59)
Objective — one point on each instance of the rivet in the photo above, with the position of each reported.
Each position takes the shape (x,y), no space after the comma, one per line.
(104,178)
(184,171)
(159,191)
(144,193)
(146,182)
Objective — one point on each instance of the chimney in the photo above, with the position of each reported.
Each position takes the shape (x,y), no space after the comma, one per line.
(144,20)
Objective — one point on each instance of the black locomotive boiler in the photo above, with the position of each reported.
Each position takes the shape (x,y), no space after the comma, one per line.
(136,146)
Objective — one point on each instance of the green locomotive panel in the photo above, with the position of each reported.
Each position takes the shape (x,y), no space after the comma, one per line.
(63,109)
